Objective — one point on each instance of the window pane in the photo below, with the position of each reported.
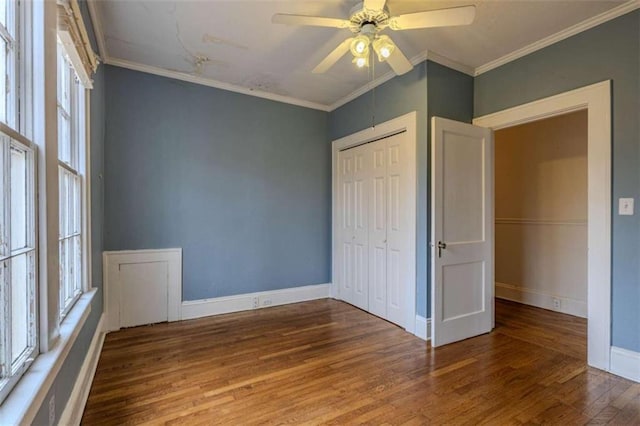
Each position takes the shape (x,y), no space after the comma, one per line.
(63,81)
(62,203)
(64,137)
(77,269)
(19,306)
(70,205)
(69,281)
(19,201)
(3,79)
(7,16)
(70,256)
(63,274)
(80,125)
(3,13)
(4,281)
(76,204)
(4,227)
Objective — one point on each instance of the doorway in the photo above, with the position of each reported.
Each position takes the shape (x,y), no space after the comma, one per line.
(596,100)
(541,213)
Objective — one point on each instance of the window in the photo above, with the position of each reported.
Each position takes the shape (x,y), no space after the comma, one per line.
(9,62)
(71,116)
(18,256)
(27,112)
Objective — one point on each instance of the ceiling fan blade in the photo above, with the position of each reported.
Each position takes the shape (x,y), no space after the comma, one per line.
(317,21)
(333,57)
(398,62)
(374,4)
(434,18)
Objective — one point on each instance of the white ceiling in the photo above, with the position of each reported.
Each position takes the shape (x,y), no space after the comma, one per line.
(248,53)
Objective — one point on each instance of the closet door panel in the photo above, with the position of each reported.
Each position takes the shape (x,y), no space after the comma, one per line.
(346,220)
(378,230)
(361,191)
(397,228)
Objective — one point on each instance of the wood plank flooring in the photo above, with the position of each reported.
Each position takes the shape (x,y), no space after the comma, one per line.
(325,362)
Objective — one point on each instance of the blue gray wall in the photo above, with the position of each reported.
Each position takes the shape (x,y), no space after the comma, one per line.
(608,52)
(241,184)
(65,380)
(449,95)
(430,89)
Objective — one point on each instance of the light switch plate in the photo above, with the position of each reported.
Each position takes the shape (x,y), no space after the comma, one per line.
(625,206)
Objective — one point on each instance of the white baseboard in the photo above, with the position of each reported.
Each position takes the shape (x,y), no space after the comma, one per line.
(243,302)
(541,300)
(625,363)
(72,413)
(423,327)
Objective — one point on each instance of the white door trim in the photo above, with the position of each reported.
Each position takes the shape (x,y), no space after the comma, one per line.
(405,123)
(596,99)
(112,261)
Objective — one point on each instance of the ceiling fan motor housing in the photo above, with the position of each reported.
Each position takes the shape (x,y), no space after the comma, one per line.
(373,20)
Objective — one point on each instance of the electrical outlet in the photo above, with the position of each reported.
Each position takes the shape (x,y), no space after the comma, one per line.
(52,410)
(556,303)
(267,302)
(256,302)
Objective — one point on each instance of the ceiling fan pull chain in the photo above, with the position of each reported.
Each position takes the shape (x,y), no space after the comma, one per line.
(373,93)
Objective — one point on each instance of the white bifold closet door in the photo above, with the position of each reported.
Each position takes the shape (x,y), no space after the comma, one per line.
(374,260)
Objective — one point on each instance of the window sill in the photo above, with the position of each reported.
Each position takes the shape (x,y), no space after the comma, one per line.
(24,401)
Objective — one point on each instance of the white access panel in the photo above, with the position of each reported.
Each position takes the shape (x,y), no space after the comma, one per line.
(143,293)
(142,287)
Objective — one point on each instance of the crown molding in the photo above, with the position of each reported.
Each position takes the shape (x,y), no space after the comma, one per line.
(94,13)
(421,57)
(561,35)
(418,59)
(450,63)
(213,83)
(96,23)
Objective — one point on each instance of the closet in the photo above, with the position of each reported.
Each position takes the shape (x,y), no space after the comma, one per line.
(375,206)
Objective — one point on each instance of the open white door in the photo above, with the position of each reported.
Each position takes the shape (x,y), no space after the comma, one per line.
(462,231)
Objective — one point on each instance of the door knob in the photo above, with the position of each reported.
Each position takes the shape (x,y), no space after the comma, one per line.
(441,246)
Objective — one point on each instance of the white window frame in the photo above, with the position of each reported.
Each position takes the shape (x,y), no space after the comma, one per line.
(77,166)
(38,121)
(12,79)
(15,132)
(13,371)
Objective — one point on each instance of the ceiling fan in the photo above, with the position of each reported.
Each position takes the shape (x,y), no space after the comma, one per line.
(367,19)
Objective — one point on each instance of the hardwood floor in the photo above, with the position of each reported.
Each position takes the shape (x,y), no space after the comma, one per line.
(328,362)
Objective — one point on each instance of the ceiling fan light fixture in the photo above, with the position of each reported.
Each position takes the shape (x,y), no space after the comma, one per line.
(362,61)
(383,47)
(360,46)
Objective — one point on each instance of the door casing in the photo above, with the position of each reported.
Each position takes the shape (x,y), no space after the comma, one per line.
(596,99)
